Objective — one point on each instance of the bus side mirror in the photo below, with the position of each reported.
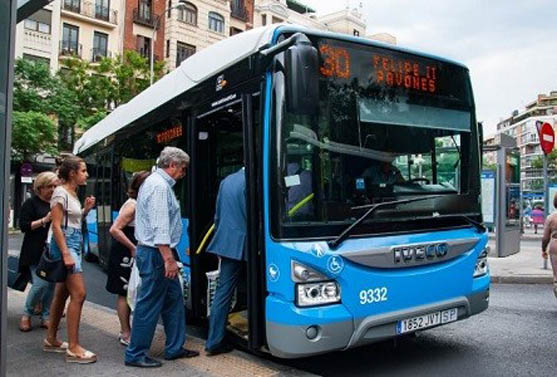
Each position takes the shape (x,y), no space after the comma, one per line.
(302,77)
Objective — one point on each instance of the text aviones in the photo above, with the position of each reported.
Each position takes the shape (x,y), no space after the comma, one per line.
(405,74)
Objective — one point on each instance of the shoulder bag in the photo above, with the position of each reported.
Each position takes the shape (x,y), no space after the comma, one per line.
(54,271)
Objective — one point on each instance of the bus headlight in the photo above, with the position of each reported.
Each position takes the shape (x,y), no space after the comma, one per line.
(312,294)
(482,266)
(313,287)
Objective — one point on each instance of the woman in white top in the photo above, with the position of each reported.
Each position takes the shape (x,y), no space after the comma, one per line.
(121,256)
(67,244)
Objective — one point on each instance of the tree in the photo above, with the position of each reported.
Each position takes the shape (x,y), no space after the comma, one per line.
(33,86)
(89,91)
(537,163)
(79,95)
(32,132)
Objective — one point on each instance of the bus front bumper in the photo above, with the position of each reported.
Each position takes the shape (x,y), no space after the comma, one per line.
(294,341)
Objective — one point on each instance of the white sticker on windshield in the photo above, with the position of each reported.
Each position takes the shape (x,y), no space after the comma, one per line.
(292,180)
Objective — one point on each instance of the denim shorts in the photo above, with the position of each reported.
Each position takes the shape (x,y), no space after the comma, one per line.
(74,241)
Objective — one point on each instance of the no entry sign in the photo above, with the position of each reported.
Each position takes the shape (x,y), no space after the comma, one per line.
(546,135)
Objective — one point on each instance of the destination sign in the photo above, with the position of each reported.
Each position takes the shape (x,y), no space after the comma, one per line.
(381,66)
(169,134)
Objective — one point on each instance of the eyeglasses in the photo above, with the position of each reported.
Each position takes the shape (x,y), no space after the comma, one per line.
(50,186)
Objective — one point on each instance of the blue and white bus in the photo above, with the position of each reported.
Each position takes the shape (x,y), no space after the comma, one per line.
(363,184)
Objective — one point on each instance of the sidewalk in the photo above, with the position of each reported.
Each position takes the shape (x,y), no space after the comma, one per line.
(98,332)
(524,267)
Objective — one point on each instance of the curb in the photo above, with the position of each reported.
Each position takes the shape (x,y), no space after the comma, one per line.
(531,279)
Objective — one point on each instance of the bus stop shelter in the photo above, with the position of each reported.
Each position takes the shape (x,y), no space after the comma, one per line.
(11,12)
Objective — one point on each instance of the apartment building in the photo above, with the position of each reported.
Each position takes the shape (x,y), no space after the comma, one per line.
(144,21)
(522,126)
(88,29)
(202,23)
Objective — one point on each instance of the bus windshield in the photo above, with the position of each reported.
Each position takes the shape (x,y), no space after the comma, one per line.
(390,125)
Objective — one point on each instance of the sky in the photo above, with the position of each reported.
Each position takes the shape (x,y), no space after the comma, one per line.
(510,46)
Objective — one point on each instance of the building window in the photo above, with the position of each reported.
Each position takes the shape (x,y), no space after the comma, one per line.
(183,52)
(70,40)
(216,22)
(263,19)
(144,46)
(37,59)
(102,8)
(238,10)
(40,21)
(277,20)
(188,14)
(168,13)
(145,9)
(100,46)
(356,33)
(234,31)
(168,48)
(72,5)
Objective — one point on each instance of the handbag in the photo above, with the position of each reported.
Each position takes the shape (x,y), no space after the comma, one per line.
(17,279)
(52,270)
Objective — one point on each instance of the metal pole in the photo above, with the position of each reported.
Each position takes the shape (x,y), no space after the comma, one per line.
(181,4)
(546,197)
(152,57)
(7,45)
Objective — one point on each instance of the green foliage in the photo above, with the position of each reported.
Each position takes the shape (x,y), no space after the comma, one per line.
(87,122)
(537,163)
(32,132)
(78,96)
(33,86)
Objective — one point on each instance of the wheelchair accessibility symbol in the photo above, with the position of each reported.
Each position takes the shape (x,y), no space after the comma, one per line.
(335,264)
(274,273)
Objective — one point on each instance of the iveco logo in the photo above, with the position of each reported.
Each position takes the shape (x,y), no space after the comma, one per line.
(417,253)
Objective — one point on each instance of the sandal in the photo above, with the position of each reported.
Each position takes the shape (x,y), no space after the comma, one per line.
(48,347)
(25,324)
(123,341)
(87,357)
(45,323)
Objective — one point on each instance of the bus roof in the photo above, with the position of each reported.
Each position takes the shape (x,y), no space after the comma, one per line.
(195,70)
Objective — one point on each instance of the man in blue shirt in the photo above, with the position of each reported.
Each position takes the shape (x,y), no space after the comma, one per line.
(229,243)
(158,228)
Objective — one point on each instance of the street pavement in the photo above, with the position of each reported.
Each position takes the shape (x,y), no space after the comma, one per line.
(516,329)
(515,336)
(99,331)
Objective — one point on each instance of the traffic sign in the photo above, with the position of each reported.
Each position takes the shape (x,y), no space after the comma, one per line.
(26,169)
(546,136)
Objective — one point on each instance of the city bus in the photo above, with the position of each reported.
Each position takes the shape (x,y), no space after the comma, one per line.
(362,164)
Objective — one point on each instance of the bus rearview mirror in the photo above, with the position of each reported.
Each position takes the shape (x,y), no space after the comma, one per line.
(302,79)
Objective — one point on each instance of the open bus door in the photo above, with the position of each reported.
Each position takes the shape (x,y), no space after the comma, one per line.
(222,142)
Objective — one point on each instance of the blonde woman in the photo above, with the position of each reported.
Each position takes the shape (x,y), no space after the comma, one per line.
(67,244)
(34,220)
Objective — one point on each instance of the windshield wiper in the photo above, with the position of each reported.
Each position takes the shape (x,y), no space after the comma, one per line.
(372,207)
(479,226)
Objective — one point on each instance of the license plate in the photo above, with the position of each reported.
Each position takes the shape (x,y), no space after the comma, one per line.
(426,320)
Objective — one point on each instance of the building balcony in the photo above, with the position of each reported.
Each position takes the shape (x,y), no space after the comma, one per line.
(91,11)
(70,49)
(98,54)
(240,13)
(37,41)
(145,17)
